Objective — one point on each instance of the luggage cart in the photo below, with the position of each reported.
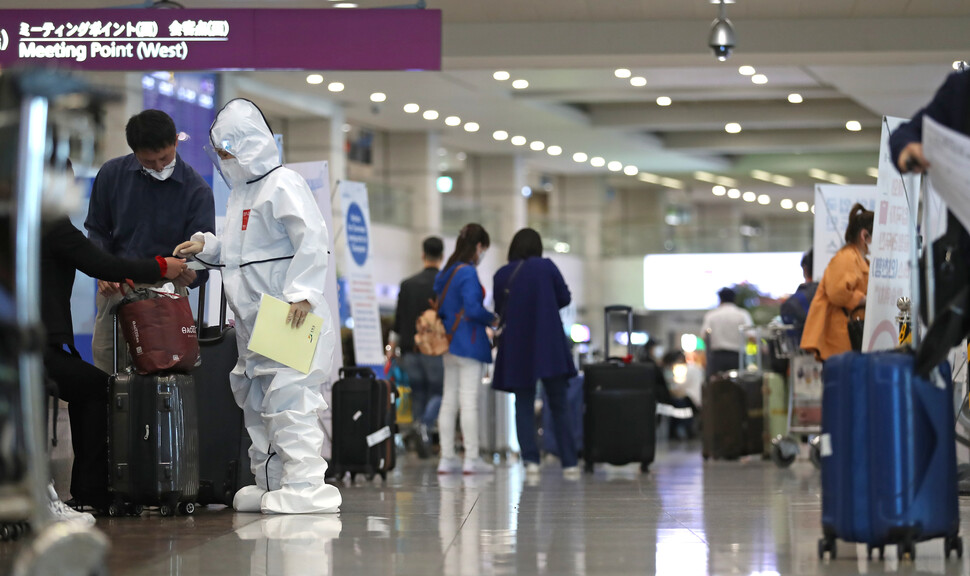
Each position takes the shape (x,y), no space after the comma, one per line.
(804,401)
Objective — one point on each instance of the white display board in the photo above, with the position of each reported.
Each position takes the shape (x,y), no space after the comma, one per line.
(833,203)
(368,342)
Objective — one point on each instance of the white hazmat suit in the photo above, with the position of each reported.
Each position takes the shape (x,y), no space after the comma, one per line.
(274,242)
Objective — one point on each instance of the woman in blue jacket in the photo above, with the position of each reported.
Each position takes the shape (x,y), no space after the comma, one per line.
(461,297)
(529,291)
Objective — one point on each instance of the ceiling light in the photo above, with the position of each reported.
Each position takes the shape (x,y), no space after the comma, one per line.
(719,190)
(452,121)
(838,179)
(721,38)
(501,75)
(345,5)
(725,181)
(445,184)
(378,97)
(749,196)
(761,175)
(442,152)
(411,108)
(818,174)
(622,73)
(631,170)
(853,126)
(734,193)
(518,140)
(664,101)
(746,70)
(802,206)
(732,127)
(314,79)
(580,157)
(430,114)
(782,181)
(461,156)
(500,135)
(520,84)
(345,128)
(614,166)
(759,79)
(554,150)
(472,127)
(638,81)
(874,172)
(648,178)
(705,176)
(597,161)
(959,64)
(672,183)
(537,145)
(526,191)
(795,98)
(813,208)
(336,87)
(787,204)
(764,199)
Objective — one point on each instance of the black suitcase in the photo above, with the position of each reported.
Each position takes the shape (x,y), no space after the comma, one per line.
(620,414)
(734,424)
(223,439)
(364,424)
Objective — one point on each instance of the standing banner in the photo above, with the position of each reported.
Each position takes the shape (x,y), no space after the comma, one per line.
(833,202)
(890,262)
(368,342)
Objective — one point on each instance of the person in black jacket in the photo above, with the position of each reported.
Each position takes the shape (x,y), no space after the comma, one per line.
(65,249)
(948,107)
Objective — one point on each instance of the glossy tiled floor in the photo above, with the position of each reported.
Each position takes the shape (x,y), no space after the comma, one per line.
(685,517)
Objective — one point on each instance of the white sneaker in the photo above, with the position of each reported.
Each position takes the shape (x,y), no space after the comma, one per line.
(448,465)
(572,473)
(64,513)
(477,466)
(531,469)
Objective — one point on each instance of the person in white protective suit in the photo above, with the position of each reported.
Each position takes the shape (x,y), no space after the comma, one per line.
(274,242)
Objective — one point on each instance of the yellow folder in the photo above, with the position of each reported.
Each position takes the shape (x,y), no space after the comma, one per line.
(274,338)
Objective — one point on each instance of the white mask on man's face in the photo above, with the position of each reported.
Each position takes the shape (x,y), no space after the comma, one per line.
(163,174)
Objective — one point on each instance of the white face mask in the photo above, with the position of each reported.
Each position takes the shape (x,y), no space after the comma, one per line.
(163,174)
(233,171)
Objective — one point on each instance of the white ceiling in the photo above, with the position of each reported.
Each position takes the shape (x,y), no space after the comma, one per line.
(850,60)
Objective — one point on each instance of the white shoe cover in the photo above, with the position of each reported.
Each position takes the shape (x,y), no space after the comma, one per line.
(302,499)
(248,499)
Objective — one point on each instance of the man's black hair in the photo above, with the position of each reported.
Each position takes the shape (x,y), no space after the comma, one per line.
(150,130)
(433,247)
(726,295)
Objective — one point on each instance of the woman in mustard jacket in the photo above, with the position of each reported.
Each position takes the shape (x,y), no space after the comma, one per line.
(842,290)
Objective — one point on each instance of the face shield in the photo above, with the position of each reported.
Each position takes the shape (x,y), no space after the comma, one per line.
(210,151)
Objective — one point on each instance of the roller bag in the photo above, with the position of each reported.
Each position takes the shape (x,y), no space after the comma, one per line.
(888,455)
(153,443)
(494,416)
(733,418)
(620,415)
(363,424)
(574,414)
(223,440)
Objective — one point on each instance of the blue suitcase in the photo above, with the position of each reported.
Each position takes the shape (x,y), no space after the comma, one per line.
(888,455)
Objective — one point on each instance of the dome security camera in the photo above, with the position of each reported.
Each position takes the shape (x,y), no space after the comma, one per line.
(722,38)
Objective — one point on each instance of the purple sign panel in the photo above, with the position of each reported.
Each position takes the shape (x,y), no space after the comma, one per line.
(326,39)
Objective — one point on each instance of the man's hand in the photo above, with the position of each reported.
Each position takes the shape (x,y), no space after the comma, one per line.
(189,248)
(176,267)
(297,313)
(911,159)
(186,277)
(108,288)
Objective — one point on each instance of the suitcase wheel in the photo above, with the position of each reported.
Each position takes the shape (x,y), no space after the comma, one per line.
(115,509)
(881,549)
(953,544)
(166,510)
(186,508)
(134,509)
(906,548)
(826,545)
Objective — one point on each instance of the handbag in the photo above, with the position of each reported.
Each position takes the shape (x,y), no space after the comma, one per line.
(430,336)
(856,326)
(497,337)
(160,331)
(951,272)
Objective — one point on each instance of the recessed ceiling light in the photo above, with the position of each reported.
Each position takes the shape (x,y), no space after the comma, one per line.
(873,172)
(412,108)
(787,204)
(472,127)
(764,199)
(759,79)
(554,150)
(430,114)
(664,101)
(746,70)
(461,156)
(520,84)
(838,179)
(501,75)
(500,135)
(802,206)
(732,127)
(672,183)
(630,170)
(614,166)
(853,126)
(761,175)
(597,161)
(749,196)
(648,177)
(638,81)
(734,193)
(813,208)
(345,5)
(378,97)
(580,157)
(345,128)
(452,121)
(518,140)
(537,145)
(622,73)
(442,152)
(705,176)
(795,98)
(724,180)
(782,181)
(818,174)
(314,79)
(335,87)
(719,190)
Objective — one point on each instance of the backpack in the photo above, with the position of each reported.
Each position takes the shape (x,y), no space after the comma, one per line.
(430,337)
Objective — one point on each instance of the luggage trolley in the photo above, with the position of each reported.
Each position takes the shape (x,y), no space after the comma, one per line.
(804,400)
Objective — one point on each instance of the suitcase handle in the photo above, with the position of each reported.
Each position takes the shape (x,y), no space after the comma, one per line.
(200,319)
(357,372)
(628,310)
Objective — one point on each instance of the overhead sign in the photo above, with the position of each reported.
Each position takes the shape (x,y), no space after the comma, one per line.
(326,39)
